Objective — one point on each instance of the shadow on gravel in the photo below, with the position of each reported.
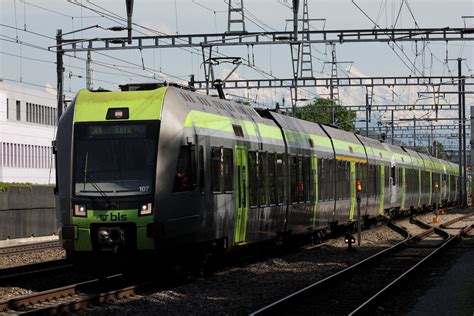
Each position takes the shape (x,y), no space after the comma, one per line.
(245,289)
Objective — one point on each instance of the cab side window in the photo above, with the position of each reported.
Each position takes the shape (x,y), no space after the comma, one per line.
(185,175)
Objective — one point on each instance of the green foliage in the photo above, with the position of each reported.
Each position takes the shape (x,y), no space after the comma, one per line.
(439,150)
(319,111)
(5,185)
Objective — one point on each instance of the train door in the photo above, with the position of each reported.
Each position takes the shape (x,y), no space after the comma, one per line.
(352,181)
(382,189)
(393,185)
(314,187)
(404,187)
(241,188)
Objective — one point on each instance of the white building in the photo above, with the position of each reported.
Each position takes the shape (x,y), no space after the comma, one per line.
(27,127)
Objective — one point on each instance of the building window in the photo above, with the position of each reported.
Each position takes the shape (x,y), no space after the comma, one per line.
(8,108)
(18,110)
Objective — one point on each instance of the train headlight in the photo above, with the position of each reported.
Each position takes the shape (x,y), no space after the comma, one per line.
(80,210)
(145,209)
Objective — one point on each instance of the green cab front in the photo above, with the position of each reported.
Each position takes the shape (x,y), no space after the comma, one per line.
(114,146)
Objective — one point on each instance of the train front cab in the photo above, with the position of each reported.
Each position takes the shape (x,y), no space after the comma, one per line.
(101,207)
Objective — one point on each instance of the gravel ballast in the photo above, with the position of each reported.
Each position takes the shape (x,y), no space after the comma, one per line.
(243,290)
(239,290)
(246,289)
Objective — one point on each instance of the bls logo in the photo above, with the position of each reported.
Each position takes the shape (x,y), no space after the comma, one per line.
(113,217)
(118,217)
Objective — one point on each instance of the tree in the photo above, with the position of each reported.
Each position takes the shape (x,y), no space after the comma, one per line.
(319,111)
(438,150)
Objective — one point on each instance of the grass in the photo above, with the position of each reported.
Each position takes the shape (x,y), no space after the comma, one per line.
(5,185)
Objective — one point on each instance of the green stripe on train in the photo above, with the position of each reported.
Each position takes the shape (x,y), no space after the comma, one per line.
(142,105)
(224,124)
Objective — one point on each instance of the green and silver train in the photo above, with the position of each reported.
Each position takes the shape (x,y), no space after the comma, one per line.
(167,168)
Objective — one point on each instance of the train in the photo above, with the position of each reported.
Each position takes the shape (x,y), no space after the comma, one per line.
(152,170)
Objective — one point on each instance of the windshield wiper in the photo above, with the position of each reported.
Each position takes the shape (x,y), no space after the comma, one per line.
(88,179)
(111,204)
(85,170)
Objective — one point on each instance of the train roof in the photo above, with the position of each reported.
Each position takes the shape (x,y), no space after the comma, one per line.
(303,134)
(375,149)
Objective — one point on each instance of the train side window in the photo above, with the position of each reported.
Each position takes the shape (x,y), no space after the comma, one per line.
(253,182)
(202,182)
(228,172)
(307,178)
(294,179)
(400,177)
(321,180)
(216,158)
(262,169)
(271,179)
(331,176)
(339,190)
(343,183)
(301,183)
(185,175)
(280,179)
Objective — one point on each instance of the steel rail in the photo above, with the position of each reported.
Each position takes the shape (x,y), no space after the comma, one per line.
(362,308)
(32,270)
(334,276)
(29,247)
(273,307)
(365,307)
(449,223)
(81,295)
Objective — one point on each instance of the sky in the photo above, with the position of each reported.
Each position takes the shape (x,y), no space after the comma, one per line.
(28,28)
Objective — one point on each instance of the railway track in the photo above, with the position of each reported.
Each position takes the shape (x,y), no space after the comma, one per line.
(32,271)
(356,289)
(5,251)
(75,296)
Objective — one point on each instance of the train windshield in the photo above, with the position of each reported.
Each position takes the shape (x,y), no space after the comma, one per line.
(115,159)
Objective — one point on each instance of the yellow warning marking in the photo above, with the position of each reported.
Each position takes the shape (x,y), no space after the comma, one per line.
(354,159)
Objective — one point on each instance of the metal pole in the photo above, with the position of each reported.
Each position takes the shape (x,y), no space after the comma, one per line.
(414,133)
(463,97)
(366,114)
(89,71)
(129,5)
(59,74)
(460,134)
(296,5)
(472,149)
(296,99)
(393,128)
